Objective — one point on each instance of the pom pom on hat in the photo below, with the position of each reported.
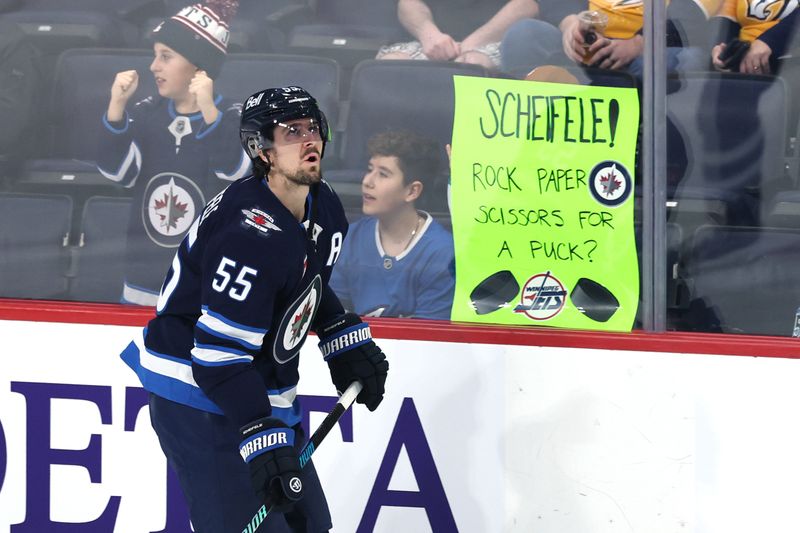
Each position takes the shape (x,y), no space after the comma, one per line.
(200,33)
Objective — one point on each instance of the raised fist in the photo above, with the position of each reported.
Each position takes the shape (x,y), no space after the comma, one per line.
(202,88)
(125,84)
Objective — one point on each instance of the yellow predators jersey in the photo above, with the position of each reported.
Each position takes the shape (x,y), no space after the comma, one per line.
(625,17)
(756,16)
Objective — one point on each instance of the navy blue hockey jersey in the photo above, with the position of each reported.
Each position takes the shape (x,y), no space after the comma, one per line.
(418,283)
(175,163)
(240,297)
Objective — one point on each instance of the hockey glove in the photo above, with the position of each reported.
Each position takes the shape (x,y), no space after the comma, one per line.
(347,346)
(268,449)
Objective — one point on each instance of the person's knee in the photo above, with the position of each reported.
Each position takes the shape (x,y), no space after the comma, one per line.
(476,58)
(394,55)
(527,32)
(687,59)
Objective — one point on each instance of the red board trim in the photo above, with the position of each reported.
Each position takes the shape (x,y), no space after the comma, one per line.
(439,331)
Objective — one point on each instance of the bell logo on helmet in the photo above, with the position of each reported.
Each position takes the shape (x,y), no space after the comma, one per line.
(253,101)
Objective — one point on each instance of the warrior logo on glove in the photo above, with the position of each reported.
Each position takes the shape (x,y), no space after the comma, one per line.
(347,346)
(295,484)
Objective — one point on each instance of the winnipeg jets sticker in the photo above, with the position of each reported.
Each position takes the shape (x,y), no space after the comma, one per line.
(610,183)
(258,219)
(170,205)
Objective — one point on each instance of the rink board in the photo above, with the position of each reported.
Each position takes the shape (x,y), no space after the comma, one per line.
(471,437)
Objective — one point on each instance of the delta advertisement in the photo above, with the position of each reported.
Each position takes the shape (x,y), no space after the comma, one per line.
(473,438)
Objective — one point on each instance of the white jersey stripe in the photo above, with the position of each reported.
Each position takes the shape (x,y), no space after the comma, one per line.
(216,325)
(283,399)
(218,357)
(137,296)
(166,367)
(241,171)
(134,156)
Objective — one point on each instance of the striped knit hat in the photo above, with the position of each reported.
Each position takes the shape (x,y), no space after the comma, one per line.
(199,33)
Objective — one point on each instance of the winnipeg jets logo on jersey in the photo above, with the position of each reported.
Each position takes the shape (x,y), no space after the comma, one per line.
(258,219)
(770,9)
(296,322)
(169,207)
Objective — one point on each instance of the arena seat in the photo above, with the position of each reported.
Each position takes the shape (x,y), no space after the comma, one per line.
(56,25)
(100,252)
(725,145)
(331,29)
(417,96)
(746,277)
(79,99)
(244,74)
(34,258)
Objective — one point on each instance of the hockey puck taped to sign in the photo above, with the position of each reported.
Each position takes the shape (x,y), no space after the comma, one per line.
(594,300)
(494,292)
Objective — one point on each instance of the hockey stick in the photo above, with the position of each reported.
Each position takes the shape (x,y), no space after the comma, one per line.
(345,401)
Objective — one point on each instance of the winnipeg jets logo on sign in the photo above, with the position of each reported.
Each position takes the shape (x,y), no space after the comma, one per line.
(610,183)
(296,322)
(169,207)
(543,297)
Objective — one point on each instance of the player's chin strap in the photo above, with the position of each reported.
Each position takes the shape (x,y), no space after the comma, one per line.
(312,216)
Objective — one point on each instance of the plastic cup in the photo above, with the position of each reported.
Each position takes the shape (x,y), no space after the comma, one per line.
(591,23)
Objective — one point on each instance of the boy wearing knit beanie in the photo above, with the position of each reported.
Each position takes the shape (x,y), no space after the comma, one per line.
(175,150)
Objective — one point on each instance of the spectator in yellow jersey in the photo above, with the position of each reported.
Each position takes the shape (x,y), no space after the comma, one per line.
(753,34)
(560,37)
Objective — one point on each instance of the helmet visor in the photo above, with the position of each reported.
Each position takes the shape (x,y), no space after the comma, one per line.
(297,131)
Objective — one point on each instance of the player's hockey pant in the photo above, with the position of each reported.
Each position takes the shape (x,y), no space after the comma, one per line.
(203,449)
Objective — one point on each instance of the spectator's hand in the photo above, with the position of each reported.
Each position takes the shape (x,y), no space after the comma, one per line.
(202,88)
(439,46)
(756,60)
(572,39)
(615,54)
(125,84)
(715,52)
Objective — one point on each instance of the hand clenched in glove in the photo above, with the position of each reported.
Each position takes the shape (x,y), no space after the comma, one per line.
(347,346)
(268,449)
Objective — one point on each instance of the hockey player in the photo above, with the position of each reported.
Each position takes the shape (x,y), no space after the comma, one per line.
(176,150)
(397,261)
(220,359)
